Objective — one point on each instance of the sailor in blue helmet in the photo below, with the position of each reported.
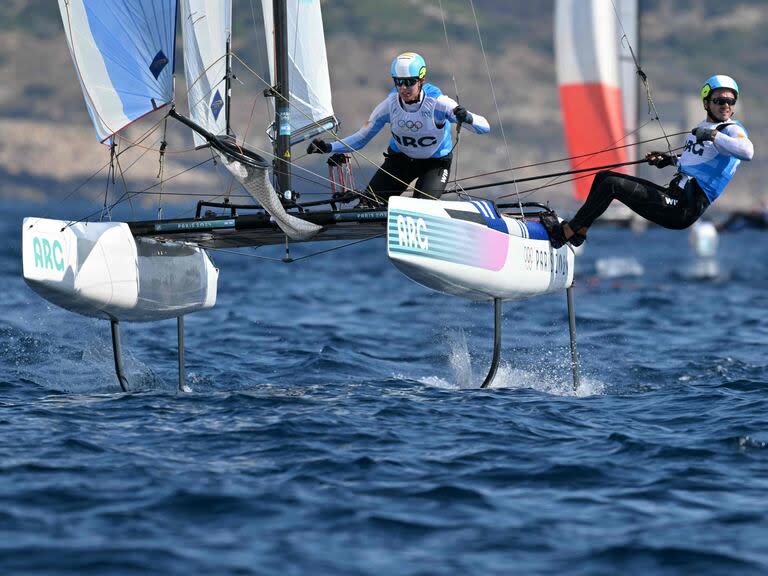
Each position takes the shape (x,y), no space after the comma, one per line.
(419,115)
(711,154)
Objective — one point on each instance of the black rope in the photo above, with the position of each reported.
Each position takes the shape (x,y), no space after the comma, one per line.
(526,193)
(586,155)
(554,175)
(586,175)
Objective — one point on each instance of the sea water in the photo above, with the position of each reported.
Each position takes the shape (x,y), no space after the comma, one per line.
(336,425)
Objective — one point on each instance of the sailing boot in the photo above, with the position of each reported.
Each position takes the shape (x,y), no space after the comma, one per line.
(554,229)
(577,239)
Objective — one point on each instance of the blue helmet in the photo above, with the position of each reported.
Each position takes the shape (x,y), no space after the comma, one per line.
(719,81)
(409,65)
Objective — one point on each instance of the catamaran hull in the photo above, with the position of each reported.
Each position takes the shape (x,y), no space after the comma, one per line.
(467,249)
(100,270)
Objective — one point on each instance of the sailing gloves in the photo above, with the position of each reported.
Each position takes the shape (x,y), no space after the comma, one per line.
(463,116)
(661,159)
(703,134)
(318,146)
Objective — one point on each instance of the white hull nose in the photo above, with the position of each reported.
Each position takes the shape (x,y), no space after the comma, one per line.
(99,269)
(467,249)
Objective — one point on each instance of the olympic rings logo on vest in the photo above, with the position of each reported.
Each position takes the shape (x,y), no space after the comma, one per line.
(410,125)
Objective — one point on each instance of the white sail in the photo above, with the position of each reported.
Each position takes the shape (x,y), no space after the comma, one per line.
(309,81)
(123,55)
(207,27)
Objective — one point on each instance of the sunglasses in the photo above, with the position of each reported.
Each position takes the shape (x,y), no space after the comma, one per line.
(405,81)
(722,101)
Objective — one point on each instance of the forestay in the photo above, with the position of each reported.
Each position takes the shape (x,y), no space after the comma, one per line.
(124,58)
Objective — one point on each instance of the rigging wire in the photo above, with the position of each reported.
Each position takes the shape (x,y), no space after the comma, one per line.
(555,175)
(643,77)
(590,171)
(163,145)
(493,92)
(306,256)
(110,178)
(450,51)
(456,91)
(567,158)
(126,195)
(575,169)
(107,166)
(347,245)
(530,191)
(129,195)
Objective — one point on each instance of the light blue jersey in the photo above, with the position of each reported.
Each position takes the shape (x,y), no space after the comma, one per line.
(713,163)
(420,130)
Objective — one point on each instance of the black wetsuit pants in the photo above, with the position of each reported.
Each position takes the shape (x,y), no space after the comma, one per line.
(668,206)
(398,171)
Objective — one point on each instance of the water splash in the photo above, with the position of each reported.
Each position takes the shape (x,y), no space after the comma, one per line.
(548,371)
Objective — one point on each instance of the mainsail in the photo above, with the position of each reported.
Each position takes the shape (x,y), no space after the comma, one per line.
(309,81)
(598,91)
(207,30)
(124,58)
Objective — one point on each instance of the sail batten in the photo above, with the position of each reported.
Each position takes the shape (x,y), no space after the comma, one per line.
(123,54)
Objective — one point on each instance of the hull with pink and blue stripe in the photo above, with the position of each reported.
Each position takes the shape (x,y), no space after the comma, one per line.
(469,249)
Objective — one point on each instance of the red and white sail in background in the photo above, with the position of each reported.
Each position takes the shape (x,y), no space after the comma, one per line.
(597,80)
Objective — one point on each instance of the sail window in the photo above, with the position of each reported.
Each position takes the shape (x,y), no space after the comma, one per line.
(217,103)
(158,63)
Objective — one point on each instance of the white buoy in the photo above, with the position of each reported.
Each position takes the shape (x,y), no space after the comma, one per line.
(703,239)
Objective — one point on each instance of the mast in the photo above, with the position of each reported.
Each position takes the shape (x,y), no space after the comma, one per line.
(228,85)
(282,163)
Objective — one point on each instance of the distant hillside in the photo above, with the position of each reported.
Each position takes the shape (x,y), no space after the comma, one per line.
(682,43)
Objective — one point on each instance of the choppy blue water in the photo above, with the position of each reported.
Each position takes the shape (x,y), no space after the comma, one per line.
(336,426)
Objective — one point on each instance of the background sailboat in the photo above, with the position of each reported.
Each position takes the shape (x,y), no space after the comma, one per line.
(599,86)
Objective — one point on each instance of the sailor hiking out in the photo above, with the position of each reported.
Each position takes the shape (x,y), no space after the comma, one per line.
(710,157)
(421,146)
